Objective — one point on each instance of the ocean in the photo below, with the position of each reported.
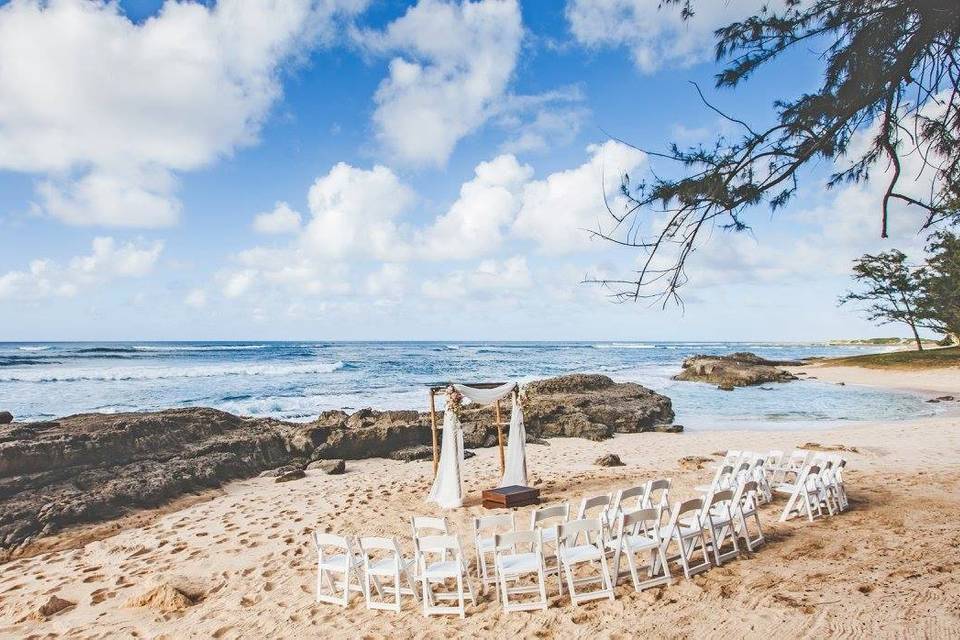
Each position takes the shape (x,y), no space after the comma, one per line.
(297,380)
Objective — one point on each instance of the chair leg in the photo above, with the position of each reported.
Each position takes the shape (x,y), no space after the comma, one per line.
(460,596)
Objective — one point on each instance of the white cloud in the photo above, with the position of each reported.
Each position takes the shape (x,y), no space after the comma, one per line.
(456,60)
(491,278)
(487,204)
(108,261)
(109,111)
(238,283)
(542,121)
(389,281)
(288,271)
(196,298)
(281,220)
(656,36)
(558,210)
(354,212)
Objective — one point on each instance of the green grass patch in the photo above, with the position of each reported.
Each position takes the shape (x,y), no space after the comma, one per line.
(926,359)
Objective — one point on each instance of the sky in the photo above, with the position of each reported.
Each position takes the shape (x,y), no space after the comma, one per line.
(363,170)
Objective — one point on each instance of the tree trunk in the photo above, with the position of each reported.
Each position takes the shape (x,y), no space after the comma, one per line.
(916,336)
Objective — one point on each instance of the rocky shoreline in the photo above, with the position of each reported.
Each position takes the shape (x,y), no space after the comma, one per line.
(742,369)
(90,468)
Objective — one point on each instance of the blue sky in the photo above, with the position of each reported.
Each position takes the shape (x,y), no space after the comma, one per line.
(353,169)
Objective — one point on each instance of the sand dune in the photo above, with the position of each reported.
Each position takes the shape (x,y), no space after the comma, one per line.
(241,564)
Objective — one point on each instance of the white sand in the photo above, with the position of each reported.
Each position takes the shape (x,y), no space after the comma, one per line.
(886,568)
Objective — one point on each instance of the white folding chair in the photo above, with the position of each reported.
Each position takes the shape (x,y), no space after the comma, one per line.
(638,532)
(656,495)
(838,488)
(512,564)
(758,474)
(342,562)
(686,529)
(722,479)
(428,525)
(547,519)
(591,550)
(595,507)
(745,508)
(484,529)
(827,495)
(772,463)
(794,464)
(434,568)
(383,559)
(803,492)
(718,517)
(626,499)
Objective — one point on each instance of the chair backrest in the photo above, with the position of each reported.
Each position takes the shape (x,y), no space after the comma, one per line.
(437,544)
(423,525)
(745,497)
(809,477)
(656,494)
(621,496)
(330,541)
(372,546)
(512,539)
(501,521)
(720,497)
(591,503)
(560,512)
(692,506)
(632,521)
(568,532)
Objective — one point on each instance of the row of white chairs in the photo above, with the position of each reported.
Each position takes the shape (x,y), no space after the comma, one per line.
(608,528)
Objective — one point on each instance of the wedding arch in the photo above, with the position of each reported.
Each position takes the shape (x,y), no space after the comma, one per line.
(447,489)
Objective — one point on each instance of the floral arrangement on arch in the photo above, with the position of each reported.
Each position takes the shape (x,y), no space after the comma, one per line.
(454,400)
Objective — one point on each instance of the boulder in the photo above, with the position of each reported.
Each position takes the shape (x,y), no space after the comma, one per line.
(295,474)
(329,467)
(6,417)
(588,406)
(735,370)
(609,460)
(51,607)
(409,454)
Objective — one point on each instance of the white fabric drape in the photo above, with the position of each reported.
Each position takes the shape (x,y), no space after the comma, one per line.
(447,489)
(485,396)
(515,468)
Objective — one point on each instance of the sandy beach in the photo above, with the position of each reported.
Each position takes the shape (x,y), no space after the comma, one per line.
(886,568)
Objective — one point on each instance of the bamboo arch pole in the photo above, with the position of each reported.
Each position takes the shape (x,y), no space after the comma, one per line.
(496,410)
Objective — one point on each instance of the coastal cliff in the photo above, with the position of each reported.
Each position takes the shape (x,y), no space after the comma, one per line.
(94,467)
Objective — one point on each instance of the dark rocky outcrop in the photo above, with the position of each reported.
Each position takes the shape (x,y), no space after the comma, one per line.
(578,406)
(735,370)
(609,460)
(6,417)
(329,467)
(93,467)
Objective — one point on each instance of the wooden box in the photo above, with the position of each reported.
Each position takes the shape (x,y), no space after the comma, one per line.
(512,496)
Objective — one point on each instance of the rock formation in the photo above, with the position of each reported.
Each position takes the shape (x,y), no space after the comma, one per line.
(735,370)
(93,467)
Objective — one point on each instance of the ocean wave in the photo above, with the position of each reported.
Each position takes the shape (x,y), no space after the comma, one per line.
(32,348)
(161,373)
(225,347)
(106,350)
(624,345)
